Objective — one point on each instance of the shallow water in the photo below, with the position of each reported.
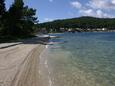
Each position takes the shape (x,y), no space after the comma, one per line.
(82,59)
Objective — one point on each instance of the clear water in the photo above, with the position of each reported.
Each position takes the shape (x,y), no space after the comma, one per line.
(82,59)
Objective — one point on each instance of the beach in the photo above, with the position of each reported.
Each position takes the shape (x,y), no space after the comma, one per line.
(82,59)
(19,63)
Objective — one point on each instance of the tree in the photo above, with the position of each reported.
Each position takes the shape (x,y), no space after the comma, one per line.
(29,20)
(19,20)
(14,17)
(2,8)
(2,12)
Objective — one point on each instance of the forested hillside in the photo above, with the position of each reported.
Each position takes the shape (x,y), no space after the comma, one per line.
(84,23)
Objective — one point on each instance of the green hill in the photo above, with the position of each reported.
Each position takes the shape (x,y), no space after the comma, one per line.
(84,23)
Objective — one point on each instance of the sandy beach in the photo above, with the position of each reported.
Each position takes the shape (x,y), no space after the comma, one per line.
(19,63)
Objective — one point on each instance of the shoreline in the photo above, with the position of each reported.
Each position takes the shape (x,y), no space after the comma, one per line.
(44,71)
(19,65)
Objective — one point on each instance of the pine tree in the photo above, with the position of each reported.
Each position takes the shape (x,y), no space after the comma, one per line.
(15,15)
(2,12)
(29,20)
(20,20)
(2,8)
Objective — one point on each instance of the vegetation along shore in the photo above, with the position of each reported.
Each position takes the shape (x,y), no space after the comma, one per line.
(17,22)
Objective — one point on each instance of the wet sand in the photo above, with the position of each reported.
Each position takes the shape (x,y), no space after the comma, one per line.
(19,64)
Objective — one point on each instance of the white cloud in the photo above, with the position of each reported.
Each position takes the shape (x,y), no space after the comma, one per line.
(101,14)
(76,4)
(113,1)
(95,8)
(94,13)
(102,4)
(88,12)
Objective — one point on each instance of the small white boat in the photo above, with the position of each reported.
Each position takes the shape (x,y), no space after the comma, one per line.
(43,35)
(54,36)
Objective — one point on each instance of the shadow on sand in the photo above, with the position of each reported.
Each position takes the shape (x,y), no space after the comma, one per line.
(34,40)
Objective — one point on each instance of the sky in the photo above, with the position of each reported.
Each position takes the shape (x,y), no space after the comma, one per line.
(48,10)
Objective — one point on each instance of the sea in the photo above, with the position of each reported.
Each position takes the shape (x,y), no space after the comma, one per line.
(80,59)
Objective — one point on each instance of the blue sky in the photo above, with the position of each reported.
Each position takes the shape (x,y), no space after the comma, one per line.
(48,10)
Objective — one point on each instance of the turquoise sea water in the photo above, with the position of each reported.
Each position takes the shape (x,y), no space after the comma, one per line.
(82,59)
